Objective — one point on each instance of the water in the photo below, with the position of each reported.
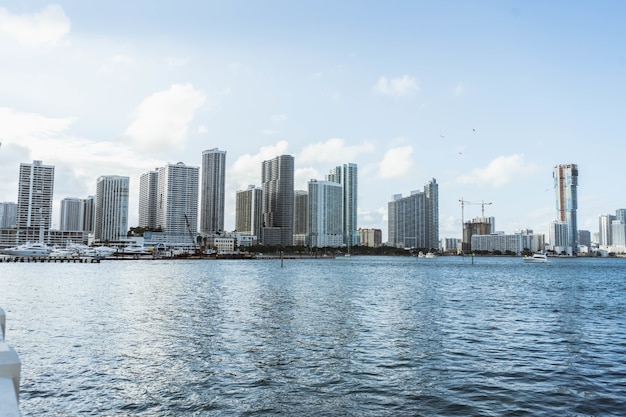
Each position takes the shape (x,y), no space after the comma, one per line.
(360,336)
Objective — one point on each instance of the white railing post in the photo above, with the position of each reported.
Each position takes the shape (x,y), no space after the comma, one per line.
(10,368)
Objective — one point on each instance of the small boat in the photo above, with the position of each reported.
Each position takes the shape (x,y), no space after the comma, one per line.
(29,249)
(430,255)
(134,249)
(536,258)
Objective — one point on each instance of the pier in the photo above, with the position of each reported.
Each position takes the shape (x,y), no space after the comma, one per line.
(10,368)
(49,259)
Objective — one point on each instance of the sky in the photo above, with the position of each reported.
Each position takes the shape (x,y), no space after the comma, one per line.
(486,97)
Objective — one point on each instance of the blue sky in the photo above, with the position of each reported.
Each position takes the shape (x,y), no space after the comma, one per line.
(484,96)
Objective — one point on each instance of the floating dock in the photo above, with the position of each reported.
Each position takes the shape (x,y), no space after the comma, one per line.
(49,259)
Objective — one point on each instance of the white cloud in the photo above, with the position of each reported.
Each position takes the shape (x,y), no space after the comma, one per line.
(270,132)
(174,62)
(246,170)
(396,163)
(163,118)
(22,126)
(46,27)
(333,150)
(397,87)
(302,176)
(499,172)
(202,130)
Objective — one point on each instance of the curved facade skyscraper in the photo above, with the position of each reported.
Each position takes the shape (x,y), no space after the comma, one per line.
(212,191)
(566,189)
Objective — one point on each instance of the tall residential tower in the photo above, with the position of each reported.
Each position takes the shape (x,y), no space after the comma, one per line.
(177,199)
(278,200)
(565,187)
(212,194)
(34,201)
(111,219)
(346,175)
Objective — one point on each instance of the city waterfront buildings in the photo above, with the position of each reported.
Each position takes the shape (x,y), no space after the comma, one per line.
(248,211)
(111,218)
(148,191)
(34,201)
(301,217)
(514,243)
(212,194)
(325,215)
(347,176)
(372,238)
(72,214)
(8,215)
(413,221)
(277,177)
(566,189)
(177,199)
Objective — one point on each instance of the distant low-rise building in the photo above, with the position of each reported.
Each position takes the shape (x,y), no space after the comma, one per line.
(372,238)
(509,243)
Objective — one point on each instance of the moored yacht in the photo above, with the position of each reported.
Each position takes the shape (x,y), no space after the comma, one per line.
(29,249)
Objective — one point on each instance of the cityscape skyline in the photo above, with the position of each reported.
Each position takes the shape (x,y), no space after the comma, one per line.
(387,88)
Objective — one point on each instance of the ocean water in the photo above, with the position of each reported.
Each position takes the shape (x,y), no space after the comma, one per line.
(359,336)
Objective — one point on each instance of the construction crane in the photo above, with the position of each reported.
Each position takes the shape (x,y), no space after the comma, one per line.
(463,203)
(193,241)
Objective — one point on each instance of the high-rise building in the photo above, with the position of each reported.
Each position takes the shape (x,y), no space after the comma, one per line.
(325,214)
(413,221)
(618,233)
(111,220)
(604,229)
(584,238)
(620,214)
(34,201)
(301,217)
(212,195)
(559,237)
(277,175)
(89,215)
(8,215)
(248,211)
(177,199)
(72,214)
(565,186)
(347,176)
(148,190)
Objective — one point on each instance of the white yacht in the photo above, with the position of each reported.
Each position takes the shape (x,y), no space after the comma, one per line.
(536,258)
(29,249)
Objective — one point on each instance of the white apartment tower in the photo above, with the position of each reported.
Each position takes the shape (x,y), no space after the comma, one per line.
(148,188)
(111,219)
(34,201)
(248,211)
(212,195)
(325,214)
(177,199)
(347,176)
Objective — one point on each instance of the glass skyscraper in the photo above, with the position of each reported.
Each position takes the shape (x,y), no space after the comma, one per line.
(212,195)
(277,177)
(347,176)
(565,187)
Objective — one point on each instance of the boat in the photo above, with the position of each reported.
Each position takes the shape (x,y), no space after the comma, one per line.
(62,253)
(29,249)
(536,258)
(134,249)
(430,255)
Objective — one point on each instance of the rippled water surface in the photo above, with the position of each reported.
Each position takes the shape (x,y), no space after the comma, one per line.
(360,336)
